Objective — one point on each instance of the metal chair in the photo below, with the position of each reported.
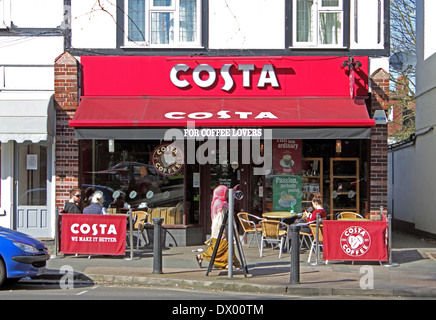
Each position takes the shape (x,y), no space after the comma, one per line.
(271,232)
(250,227)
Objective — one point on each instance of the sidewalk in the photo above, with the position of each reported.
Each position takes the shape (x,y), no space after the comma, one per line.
(415,276)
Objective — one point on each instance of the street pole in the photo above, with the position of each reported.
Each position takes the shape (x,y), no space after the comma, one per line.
(230,234)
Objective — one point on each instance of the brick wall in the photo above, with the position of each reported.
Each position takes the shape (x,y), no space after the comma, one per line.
(67,148)
(379,142)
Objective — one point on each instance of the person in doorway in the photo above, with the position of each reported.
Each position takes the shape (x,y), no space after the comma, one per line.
(72,205)
(96,206)
(218,206)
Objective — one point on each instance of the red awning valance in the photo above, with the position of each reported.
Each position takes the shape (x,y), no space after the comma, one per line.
(126,112)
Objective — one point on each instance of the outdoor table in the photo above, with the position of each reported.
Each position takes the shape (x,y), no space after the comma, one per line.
(278,215)
(354,219)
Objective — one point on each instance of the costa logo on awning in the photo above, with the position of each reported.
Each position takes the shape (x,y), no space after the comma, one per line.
(221,115)
(267,76)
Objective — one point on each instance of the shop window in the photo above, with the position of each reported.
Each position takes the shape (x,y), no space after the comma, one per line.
(163,23)
(318,23)
(130,177)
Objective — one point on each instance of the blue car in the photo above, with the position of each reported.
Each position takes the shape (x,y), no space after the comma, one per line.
(20,256)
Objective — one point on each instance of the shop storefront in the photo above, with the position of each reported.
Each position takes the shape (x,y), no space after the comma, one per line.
(163,132)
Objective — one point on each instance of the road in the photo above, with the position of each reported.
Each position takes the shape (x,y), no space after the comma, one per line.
(29,291)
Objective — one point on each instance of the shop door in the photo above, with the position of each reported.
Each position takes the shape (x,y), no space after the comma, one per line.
(31,213)
(223,173)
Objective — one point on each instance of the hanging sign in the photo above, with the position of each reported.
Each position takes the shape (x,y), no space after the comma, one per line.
(287,156)
(287,193)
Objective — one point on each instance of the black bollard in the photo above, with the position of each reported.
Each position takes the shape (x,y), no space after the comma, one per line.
(295,254)
(157,245)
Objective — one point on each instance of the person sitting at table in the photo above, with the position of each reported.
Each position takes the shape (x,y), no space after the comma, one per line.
(96,206)
(72,205)
(311,216)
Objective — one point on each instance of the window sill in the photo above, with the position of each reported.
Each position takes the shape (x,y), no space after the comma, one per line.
(162,47)
(318,47)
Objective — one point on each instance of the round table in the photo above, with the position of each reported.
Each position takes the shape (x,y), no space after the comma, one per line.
(278,215)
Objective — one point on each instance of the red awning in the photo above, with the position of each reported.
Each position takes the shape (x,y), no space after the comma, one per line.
(141,112)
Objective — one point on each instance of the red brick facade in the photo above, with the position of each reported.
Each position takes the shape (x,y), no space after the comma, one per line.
(379,142)
(67,148)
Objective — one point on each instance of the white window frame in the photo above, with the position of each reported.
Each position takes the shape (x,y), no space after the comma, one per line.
(317,9)
(149,9)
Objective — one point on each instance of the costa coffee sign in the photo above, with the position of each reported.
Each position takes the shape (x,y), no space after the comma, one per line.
(267,76)
(227,76)
(355,241)
(167,159)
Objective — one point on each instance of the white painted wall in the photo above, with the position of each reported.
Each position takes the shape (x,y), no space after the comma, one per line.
(364,24)
(247,24)
(93,26)
(413,193)
(26,69)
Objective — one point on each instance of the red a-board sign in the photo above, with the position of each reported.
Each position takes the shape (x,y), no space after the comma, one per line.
(355,240)
(93,234)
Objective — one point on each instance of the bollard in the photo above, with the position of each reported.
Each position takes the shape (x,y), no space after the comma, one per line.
(230,234)
(295,254)
(157,245)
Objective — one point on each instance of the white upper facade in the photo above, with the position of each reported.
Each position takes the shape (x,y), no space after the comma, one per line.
(30,39)
(230,24)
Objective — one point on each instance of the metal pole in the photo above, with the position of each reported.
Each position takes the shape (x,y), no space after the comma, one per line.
(317,242)
(230,234)
(56,240)
(295,254)
(157,245)
(131,236)
(390,263)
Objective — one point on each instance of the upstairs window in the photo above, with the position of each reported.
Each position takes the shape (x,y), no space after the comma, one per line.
(318,23)
(163,23)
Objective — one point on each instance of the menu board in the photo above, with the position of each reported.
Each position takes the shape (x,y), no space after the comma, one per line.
(287,156)
(287,191)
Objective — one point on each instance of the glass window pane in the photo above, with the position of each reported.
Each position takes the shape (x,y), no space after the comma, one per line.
(188,21)
(32,175)
(330,3)
(162,3)
(128,176)
(136,20)
(162,27)
(330,28)
(304,21)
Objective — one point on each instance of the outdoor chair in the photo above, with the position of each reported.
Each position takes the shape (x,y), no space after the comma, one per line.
(348,215)
(271,232)
(315,241)
(140,219)
(250,227)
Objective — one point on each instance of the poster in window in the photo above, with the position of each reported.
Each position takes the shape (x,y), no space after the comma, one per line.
(32,162)
(287,193)
(287,156)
